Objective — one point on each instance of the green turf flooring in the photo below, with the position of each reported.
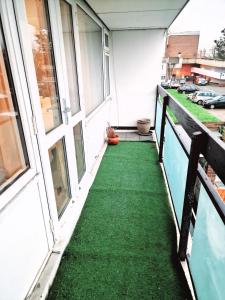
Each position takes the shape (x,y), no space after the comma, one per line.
(124,245)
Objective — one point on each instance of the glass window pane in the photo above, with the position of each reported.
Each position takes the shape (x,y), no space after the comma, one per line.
(176,165)
(13,155)
(59,175)
(40,35)
(91,60)
(69,46)
(207,259)
(158,120)
(79,147)
(107,79)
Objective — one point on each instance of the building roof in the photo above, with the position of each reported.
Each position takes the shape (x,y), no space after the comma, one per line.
(141,14)
(185,33)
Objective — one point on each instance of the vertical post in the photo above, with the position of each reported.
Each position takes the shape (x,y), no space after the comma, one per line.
(197,143)
(163,122)
(156,103)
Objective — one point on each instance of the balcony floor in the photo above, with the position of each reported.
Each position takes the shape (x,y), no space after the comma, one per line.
(134,136)
(124,245)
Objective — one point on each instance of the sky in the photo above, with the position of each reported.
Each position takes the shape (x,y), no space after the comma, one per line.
(206,16)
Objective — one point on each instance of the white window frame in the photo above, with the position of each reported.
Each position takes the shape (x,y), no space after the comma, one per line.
(107,97)
(107,52)
(87,10)
(31,98)
(46,140)
(62,131)
(22,97)
(106,33)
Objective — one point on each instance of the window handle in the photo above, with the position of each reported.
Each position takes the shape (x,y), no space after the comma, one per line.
(66,110)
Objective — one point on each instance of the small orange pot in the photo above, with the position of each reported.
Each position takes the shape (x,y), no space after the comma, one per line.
(113,140)
(110,132)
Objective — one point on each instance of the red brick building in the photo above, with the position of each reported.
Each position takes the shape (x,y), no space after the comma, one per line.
(185,47)
(185,43)
(183,60)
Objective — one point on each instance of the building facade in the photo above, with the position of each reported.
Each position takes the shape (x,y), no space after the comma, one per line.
(185,43)
(212,70)
(192,64)
(67,69)
(181,46)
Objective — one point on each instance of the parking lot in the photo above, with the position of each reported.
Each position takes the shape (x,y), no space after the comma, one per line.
(217,112)
(211,87)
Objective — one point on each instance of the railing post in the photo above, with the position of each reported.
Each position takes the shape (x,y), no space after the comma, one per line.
(163,123)
(156,103)
(197,143)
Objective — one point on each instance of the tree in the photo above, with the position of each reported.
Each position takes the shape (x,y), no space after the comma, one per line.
(220,46)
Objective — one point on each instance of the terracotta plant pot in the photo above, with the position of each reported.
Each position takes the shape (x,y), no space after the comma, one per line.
(143,126)
(110,132)
(113,140)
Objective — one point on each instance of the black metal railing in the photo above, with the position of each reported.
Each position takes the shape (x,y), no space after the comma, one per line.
(198,142)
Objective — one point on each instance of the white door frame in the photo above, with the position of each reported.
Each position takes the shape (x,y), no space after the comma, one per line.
(73,120)
(27,117)
(63,130)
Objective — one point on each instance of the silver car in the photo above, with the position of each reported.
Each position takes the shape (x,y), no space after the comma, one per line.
(200,96)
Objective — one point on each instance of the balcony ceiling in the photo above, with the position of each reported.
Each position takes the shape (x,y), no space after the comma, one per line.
(137,14)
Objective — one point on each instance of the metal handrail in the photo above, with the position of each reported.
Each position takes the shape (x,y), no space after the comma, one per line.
(213,149)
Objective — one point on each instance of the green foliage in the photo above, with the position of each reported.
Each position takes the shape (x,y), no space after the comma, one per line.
(222,130)
(220,46)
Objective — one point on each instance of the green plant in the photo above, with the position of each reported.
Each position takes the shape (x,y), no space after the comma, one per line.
(220,46)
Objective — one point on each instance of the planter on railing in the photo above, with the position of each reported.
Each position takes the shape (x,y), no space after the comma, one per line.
(214,126)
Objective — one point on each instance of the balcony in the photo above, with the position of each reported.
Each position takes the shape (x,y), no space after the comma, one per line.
(151,213)
(125,244)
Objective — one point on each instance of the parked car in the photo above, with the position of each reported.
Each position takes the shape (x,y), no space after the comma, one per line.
(201,81)
(165,84)
(189,96)
(200,96)
(182,81)
(187,89)
(170,84)
(174,84)
(217,102)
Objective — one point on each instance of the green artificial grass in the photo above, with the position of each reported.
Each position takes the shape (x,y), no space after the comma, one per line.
(172,116)
(124,245)
(196,110)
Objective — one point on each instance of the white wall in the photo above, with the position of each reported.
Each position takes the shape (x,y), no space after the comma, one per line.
(24,245)
(137,62)
(95,134)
